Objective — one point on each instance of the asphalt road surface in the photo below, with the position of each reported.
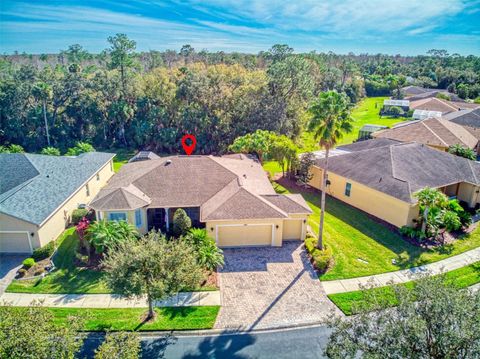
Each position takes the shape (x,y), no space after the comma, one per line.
(295,343)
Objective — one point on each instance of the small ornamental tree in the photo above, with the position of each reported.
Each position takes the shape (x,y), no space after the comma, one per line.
(104,235)
(209,255)
(181,222)
(306,162)
(258,142)
(151,267)
(81,230)
(121,345)
(31,332)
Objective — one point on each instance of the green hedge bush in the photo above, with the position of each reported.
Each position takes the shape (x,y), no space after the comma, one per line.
(78,214)
(28,263)
(322,259)
(44,252)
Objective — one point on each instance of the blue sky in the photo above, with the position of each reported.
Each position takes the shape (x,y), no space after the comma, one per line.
(394,27)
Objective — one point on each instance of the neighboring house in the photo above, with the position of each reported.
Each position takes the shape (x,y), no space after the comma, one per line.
(231,196)
(437,133)
(424,114)
(381,176)
(413,93)
(144,156)
(435,104)
(403,104)
(38,194)
(470,119)
(366,131)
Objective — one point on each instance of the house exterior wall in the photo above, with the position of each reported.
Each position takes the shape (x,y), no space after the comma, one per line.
(378,204)
(130,218)
(468,193)
(9,223)
(59,220)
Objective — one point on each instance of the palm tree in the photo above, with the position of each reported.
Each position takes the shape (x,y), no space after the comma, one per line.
(429,198)
(330,119)
(43,92)
(106,234)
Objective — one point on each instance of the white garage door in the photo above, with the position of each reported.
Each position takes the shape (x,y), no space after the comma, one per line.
(292,229)
(14,242)
(244,235)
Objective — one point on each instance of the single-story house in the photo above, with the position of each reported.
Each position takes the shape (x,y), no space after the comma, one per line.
(144,156)
(413,93)
(367,130)
(381,176)
(434,132)
(424,114)
(403,104)
(38,194)
(230,196)
(435,104)
(470,119)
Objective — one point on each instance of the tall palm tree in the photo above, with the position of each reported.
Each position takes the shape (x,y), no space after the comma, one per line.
(330,120)
(43,92)
(429,198)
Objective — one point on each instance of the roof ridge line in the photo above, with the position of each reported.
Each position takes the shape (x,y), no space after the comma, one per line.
(437,136)
(473,172)
(265,201)
(122,191)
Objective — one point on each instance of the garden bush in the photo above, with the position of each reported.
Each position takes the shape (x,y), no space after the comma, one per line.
(209,256)
(28,263)
(21,273)
(78,214)
(44,252)
(323,259)
(181,222)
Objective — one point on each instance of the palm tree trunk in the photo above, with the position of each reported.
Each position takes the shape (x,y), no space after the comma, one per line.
(322,205)
(425,218)
(45,119)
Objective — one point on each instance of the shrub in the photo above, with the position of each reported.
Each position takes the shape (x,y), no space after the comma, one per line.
(322,259)
(477,100)
(80,147)
(443,96)
(78,214)
(413,233)
(39,271)
(50,151)
(209,256)
(21,272)
(28,263)
(181,222)
(44,252)
(395,111)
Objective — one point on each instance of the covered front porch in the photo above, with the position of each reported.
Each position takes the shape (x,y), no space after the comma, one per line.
(162,218)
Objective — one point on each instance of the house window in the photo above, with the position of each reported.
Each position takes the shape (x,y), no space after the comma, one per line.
(98,176)
(138,217)
(117,216)
(87,190)
(348,188)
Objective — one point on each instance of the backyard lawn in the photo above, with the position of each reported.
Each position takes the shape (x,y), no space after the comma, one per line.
(347,302)
(362,246)
(366,112)
(122,157)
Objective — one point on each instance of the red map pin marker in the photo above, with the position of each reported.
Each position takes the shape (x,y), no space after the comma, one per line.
(189,148)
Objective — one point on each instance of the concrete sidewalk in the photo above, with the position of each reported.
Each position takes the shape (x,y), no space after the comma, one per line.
(402,276)
(184,299)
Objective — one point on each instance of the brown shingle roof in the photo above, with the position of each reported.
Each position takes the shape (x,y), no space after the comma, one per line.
(433,104)
(403,169)
(289,203)
(432,131)
(223,187)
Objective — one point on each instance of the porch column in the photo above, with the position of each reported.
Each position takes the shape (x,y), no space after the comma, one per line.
(167,223)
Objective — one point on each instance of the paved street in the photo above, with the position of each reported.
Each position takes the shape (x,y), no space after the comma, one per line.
(9,264)
(302,343)
(270,288)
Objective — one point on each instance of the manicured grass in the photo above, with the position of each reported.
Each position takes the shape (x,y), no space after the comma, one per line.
(347,302)
(122,157)
(66,279)
(168,318)
(361,246)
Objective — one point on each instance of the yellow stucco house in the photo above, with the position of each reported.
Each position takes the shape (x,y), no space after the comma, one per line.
(380,176)
(230,196)
(38,194)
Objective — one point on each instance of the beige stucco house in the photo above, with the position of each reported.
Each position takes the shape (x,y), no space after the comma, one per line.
(38,194)
(230,196)
(380,177)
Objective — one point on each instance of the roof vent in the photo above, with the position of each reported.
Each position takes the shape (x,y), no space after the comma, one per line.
(167,162)
(244,175)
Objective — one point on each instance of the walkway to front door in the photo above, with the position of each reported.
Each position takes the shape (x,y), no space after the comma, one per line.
(268,287)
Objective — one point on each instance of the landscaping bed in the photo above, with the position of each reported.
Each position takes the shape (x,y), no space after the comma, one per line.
(68,278)
(363,246)
(348,301)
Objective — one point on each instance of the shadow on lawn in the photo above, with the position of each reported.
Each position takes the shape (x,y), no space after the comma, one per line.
(408,255)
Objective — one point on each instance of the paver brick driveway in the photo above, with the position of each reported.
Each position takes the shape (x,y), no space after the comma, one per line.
(9,264)
(270,287)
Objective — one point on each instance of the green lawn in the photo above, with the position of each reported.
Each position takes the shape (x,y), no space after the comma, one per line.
(347,302)
(122,157)
(168,318)
(362,246)
(66,279)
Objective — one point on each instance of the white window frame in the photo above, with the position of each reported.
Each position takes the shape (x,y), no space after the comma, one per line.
(122,213)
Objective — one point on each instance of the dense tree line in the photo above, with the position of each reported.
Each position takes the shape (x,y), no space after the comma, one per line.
(148,100)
